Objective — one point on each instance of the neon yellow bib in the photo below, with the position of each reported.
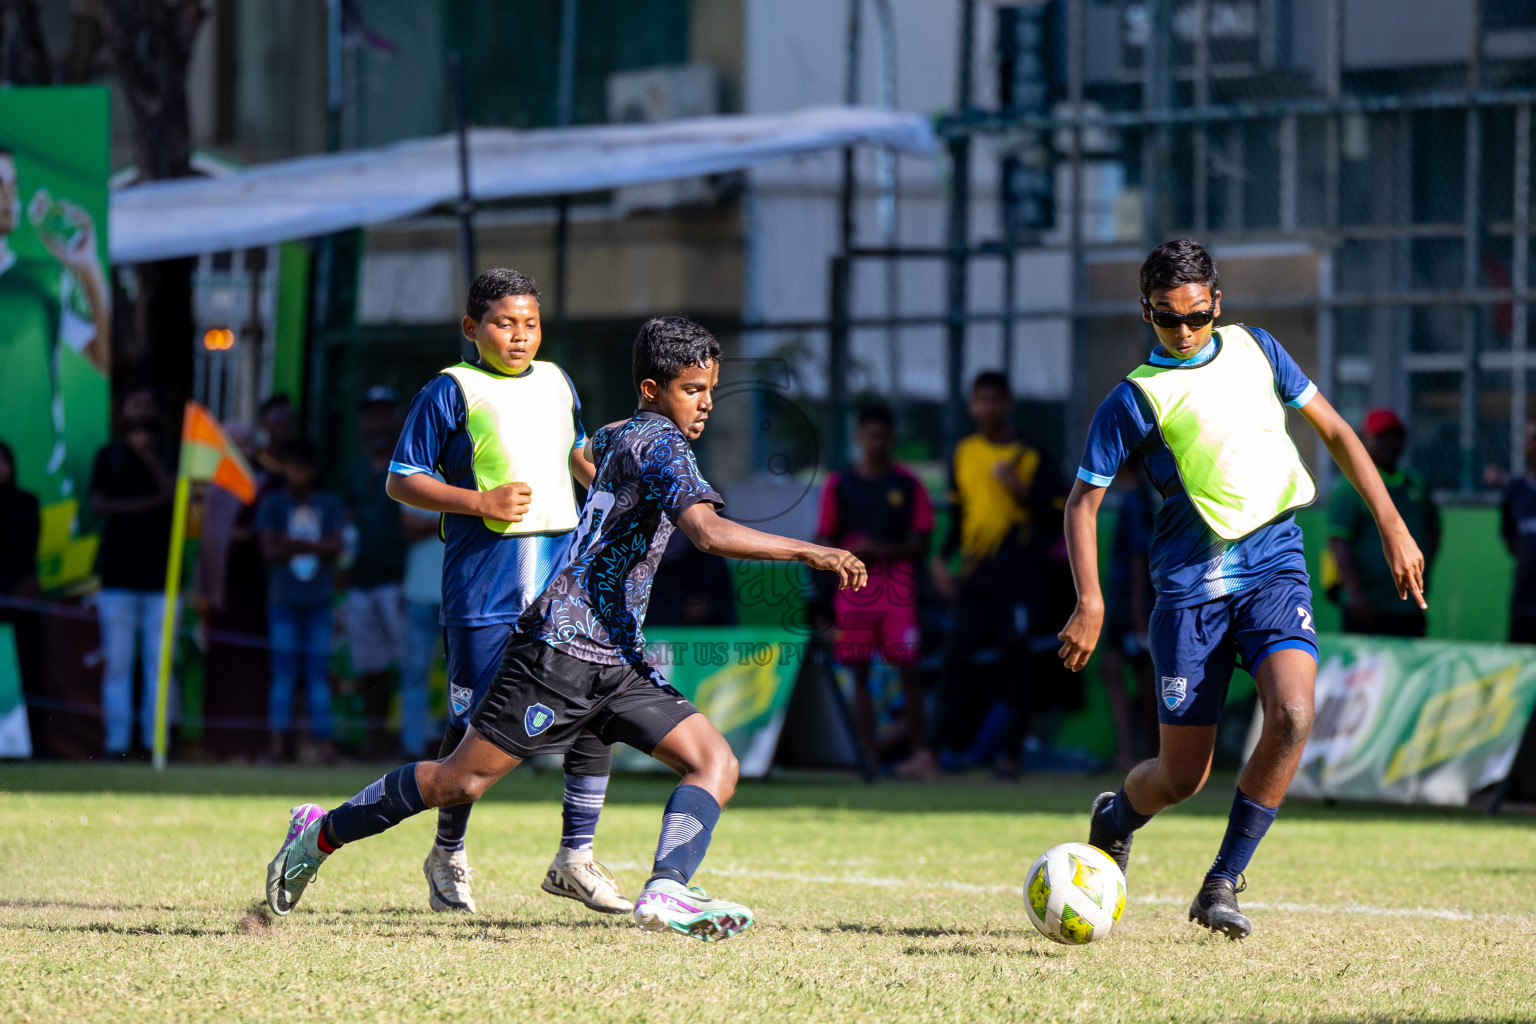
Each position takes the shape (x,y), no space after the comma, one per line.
(523,430)
(1225,426)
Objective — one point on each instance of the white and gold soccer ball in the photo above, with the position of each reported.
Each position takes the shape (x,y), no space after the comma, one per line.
(1074,894)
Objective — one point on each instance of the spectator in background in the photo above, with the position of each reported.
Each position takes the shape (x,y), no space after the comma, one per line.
(1366,591)
(1128,601)
(878,510)
(300,530)
(133,482)
(373,614)
(1518,526)
(422,589)
(20,526)
(273,433)
(995,507)
(692,588)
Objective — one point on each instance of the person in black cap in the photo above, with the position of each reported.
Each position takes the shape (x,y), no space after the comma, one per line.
(374,613)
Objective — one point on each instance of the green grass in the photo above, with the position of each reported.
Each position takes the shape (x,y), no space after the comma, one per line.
(127,896)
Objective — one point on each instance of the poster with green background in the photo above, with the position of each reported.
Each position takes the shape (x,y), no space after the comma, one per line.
(55,315)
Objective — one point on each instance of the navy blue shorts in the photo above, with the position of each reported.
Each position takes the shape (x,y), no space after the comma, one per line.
(1194,650)
(473,654)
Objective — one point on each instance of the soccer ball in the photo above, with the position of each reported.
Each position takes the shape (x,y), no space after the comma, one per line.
(1074,894)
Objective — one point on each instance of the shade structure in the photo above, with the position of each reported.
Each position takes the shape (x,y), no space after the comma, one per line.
(290,199)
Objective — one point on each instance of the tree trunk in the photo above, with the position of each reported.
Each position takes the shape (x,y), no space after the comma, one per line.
(151,43)
(23,52)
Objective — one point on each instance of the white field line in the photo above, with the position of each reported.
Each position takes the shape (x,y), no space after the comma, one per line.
(1433,913)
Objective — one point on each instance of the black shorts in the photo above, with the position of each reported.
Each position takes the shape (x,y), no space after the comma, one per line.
(542,699)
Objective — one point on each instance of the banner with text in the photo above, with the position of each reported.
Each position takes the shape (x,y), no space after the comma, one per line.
(1415,721)
(741,677)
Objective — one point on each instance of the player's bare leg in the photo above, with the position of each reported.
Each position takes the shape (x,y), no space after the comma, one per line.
(697,752)
(463,777)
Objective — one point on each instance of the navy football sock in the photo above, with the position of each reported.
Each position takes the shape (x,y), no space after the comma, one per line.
(385,803)
(452,822)
(686,826)
(1246,826)
(580,808)
(1120,817)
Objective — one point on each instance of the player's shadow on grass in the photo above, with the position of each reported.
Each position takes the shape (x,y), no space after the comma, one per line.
(910,932)
(105,928)
(15,904)
(1068,795)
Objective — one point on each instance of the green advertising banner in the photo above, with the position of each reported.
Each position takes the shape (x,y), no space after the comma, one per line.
(55,314)
(15,737)
(739,676)
(1415,721)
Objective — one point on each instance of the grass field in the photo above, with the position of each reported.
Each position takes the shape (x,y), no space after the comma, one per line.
(127,896)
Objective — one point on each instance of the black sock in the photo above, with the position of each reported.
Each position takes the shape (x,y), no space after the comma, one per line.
(385,803)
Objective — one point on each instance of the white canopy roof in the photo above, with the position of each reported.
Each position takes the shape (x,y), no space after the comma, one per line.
(316,195)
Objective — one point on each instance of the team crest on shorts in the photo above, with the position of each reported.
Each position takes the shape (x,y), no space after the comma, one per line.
(537,718)
(460,697)
(1174,689)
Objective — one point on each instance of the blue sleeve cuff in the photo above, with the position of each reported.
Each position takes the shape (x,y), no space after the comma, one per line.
(402,469)
(1307,394)
(1094,478)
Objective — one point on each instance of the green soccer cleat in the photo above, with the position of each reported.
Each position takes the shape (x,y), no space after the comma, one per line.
(669,904)
(298,861)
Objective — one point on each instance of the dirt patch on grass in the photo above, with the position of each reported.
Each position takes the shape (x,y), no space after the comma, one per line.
(257,920)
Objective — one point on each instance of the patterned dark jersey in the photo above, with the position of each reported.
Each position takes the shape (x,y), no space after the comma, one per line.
(595,606)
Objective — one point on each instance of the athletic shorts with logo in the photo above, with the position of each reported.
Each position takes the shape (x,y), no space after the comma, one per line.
(543,699)
(1194,650)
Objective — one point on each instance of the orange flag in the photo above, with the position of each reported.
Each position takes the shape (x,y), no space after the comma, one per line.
(207,455)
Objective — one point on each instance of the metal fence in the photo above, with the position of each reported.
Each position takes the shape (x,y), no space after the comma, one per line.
(1374,205)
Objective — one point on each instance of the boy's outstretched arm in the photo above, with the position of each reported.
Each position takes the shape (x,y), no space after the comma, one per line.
(507,503)
(1081,634)
(715,535)
(1402,552)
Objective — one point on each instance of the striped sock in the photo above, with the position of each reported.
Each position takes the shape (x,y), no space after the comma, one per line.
(686,827)
(580,808)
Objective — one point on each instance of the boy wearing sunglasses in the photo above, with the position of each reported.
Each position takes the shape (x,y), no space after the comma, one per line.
(1207,413)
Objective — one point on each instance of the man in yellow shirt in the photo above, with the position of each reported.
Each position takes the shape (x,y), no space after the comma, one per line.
(998,495)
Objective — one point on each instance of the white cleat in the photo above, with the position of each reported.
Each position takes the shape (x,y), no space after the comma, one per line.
(298,860)
(576,876)
(668,904)
(448,880)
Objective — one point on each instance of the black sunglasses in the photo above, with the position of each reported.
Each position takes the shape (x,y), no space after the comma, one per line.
(1170,321)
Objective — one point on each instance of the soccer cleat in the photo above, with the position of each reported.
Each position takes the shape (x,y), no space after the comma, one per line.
(575,875)
(1215,907)
(448,880)
(298,861)
(1119,850)
(669,904)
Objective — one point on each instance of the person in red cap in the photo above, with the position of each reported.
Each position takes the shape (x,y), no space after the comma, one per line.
(1365,589)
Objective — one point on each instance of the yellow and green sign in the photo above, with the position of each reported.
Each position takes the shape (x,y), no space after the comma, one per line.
(55,308)
(1424,721)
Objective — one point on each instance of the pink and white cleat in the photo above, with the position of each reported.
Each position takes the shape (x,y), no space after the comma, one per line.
(298,861)
(668,904)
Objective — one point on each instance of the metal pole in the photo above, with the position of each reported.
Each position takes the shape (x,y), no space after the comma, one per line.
(1520,268)
(1077,398)
(565,99)
(842,274)
(1156,150)
(1327,279)
(1201,143)
(466,204)
(332,75)
(1289,172)
(885,178)
(957,237)
(1009,304)
(1472,258)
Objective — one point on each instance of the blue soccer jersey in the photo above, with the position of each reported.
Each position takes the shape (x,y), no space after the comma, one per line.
(488,578)
(646,478)
(1190,564)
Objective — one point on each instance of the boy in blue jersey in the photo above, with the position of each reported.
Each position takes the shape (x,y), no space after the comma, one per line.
(528,420)
(577,664)
(1206,413)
